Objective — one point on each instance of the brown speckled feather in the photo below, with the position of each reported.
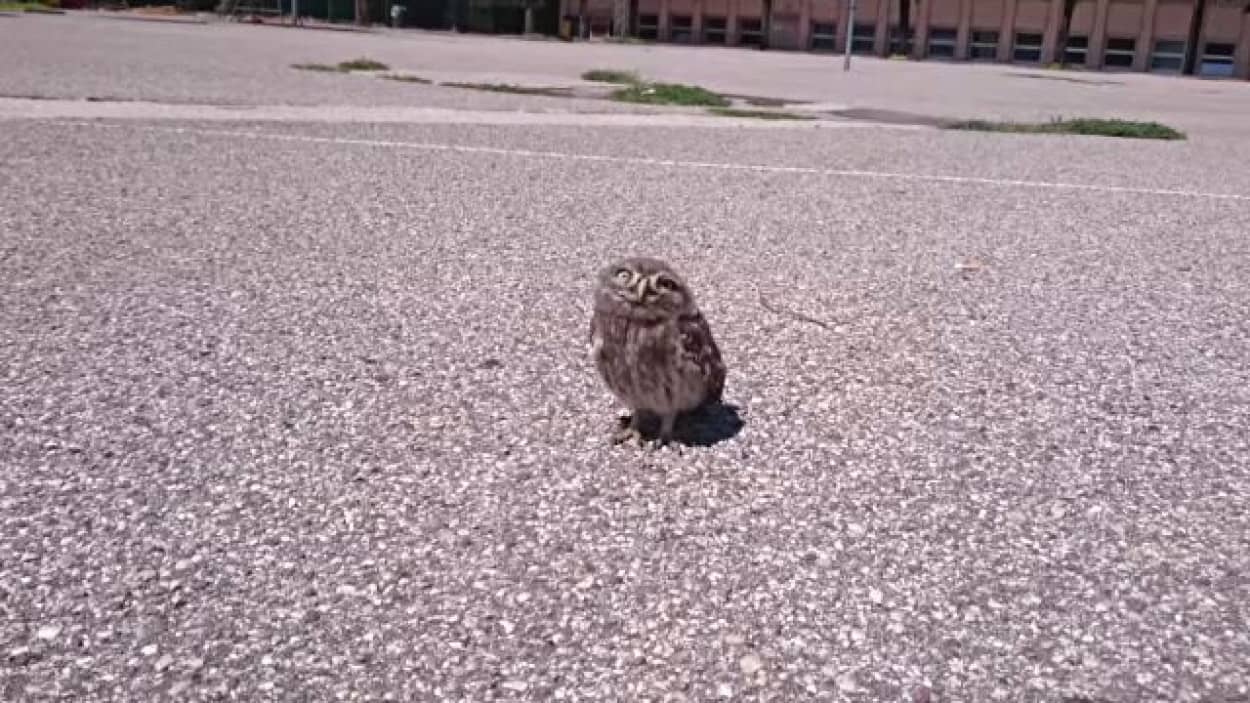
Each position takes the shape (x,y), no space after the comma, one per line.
(698,347)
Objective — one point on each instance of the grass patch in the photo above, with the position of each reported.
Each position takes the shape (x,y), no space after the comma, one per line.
(513,89)
(343,66)
(601,75)
(407,79)
(1089,127)
(669,94)
(362,65)
(28,6)
(759,114)
(316,67)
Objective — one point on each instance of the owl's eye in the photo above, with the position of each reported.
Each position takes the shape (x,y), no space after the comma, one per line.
(666,283)
(623,275)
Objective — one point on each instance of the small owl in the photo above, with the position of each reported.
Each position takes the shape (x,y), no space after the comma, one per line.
(652,346)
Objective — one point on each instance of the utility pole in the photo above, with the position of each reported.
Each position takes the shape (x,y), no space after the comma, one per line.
(850,34)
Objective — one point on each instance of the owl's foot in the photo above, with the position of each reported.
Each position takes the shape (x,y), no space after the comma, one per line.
(628,434)
(630,429)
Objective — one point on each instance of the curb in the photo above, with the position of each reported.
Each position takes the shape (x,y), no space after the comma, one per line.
(166,20)
(322,27)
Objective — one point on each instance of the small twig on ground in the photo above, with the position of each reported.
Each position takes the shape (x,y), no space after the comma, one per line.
(777,310)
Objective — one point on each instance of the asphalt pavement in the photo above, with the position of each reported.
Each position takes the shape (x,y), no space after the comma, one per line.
(295,409)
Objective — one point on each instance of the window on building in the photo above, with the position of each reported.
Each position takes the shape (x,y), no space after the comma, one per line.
(823,34)
(864,40)
(1119,52)
(750,32)
(680,28)
(1168,56)
(1076,50)
(942,42)
(900,43)
(984,45)
(1217,60)
(648,27)
(714,30)
(1027,48)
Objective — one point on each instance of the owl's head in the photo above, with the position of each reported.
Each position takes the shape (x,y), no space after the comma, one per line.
(644,287)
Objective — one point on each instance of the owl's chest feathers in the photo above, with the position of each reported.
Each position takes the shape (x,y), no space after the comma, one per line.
(642,362)
(621,339)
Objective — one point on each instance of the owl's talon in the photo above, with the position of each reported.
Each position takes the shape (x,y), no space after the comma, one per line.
(627,434)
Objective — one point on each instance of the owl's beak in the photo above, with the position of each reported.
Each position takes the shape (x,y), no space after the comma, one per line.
(641,291)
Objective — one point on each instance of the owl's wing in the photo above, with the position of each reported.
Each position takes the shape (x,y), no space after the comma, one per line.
(699,349)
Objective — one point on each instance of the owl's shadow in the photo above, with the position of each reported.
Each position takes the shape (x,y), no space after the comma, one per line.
(706,427)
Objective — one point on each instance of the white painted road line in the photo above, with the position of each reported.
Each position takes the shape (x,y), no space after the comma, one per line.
(675,163)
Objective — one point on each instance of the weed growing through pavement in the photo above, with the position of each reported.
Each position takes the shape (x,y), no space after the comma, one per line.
(405,78)
(669,94)
(343,67)
(362,65)
(1090,127)
(601,75)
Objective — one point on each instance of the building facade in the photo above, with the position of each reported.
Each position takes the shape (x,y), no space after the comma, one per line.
(1203,37)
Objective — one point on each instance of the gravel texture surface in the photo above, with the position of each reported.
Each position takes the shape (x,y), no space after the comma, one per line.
(301,420)
(300,411)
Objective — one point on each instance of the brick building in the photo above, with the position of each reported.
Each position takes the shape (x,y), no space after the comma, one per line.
(1203,37)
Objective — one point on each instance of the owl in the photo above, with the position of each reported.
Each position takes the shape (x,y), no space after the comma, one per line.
(652,346)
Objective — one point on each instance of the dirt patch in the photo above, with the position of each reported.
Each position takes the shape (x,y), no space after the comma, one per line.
(868,114)
(1066,79)
(515,89)
(758,101)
